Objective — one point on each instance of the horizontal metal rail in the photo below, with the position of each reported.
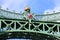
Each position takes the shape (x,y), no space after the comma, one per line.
(44,17)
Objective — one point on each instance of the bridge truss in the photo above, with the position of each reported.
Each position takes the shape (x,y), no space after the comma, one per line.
(11,22)
(19,25)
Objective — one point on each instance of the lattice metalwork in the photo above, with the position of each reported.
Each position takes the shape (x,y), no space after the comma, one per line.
(13,25)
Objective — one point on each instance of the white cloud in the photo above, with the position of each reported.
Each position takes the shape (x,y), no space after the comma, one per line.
(15,4)
(49,11)
(56,8)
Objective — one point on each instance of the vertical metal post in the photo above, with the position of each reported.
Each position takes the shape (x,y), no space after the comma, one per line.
(14,25)
(0,24)
(58,28)
(14,12)
(7,9)
(29,23)
(0,7)
(43,27)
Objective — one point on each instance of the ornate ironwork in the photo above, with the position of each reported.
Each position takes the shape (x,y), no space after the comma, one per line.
(14,22)
(18,25)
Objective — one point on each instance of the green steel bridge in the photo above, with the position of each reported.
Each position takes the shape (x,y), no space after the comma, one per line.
(13,25)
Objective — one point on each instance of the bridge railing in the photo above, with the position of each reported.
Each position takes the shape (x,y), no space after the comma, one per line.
(44,17)
(19,25)
(49,17)
(8,14)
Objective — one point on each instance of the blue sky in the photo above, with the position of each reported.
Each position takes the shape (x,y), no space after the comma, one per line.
(37,6)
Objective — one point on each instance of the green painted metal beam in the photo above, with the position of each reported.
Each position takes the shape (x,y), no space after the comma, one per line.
(17,25)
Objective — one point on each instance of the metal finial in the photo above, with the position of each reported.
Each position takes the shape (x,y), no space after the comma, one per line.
(47,12)
(53,11)
(0,7)
(13,10)
(7,9)
(59,10)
